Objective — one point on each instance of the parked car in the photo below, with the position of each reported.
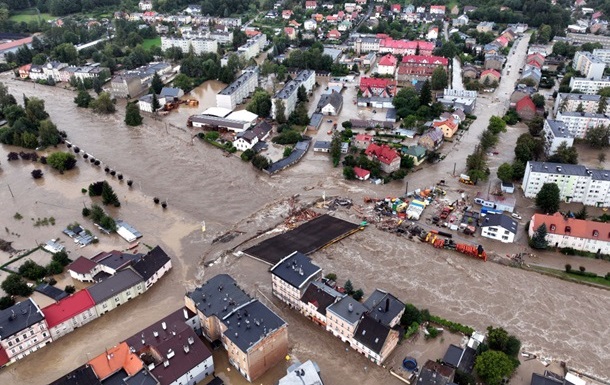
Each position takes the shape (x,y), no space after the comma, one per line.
(516,216)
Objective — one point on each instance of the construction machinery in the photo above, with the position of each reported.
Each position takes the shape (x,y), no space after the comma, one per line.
(466,179)
(434,238)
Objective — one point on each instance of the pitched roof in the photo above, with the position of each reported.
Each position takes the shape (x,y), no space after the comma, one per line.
(416,151)
(51,291)
(113,285)
(525,103)
(384,153)
(425,59)
(114,359)
(296,269)
(15,43)
(361,173)
(383,306)
(366,82)
(218,296)
(435,373)
(82,265)
(302,374)
(371,333)
(152,262)
(170,91)
(447,122)
(334,98)
(115,259)
(348,309)
(453,355)
(501,220)
(388,60)
(364,137)
(491,72)
(579,228)
(320,295)
(67,308)
(18,317)
(83,375)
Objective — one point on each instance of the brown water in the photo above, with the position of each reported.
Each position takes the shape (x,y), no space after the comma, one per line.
(200,184)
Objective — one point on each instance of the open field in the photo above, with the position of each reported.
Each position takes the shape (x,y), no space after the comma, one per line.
(30,14)
(149,43)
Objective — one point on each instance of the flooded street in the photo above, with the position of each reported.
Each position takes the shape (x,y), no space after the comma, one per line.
(201,184)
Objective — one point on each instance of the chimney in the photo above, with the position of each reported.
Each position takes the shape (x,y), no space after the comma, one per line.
(164,325)
(156,334)
(186,348)
(191,340)
(387,305)
(350,307)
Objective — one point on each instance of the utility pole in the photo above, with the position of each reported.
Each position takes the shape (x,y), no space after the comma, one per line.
(9,189)
(407,189)
(454,164)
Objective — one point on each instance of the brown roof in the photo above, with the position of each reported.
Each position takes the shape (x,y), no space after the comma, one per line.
(114,359)
(82,265)
(579,228)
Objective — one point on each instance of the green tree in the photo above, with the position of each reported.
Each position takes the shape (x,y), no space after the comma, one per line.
(260,103)
(496,125)
(103,104)
(183,82)
(505,172)
(29,140)
(425,95)
(335,148)
(109,197)
(54,268)
(439,79)
(358,294)
(6,302)
(61,161)
(31,270)
(280,112)
(539,238)
(538,100)
(564,154)
(349,287)
(349,173)
(132,115)
(598,137)
(582,214)
(544,34)
(488,140)
(302,94)
(602,105)
(48,133)
(518,169)
(492,366)
(605,91)
(247,155)
(156,84)
(83,99)
(261,162)
(62,258)
(548,199)
(411,314)
(14,284)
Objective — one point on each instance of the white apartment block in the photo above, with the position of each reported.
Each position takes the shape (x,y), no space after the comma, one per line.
(602,54)
(578,123)
(240,89)
(291,276)
(576,183)
(253,46)
(288,94)
(588,86)
(572,102)
(367,44)
(577,234)
(199,45)
(590,66)
(555,133)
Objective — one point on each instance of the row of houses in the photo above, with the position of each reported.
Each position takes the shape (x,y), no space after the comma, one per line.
(62,72)
(370,327)
(131,83)
(382,44)
(120,277)
(564,231)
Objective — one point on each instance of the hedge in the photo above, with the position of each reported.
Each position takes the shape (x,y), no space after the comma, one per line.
(452,326)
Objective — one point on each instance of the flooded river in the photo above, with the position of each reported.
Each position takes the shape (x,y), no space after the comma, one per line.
(200,184)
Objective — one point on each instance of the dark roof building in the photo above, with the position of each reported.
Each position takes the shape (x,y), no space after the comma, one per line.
(538,379)
(51,291)
(83,375)
(296,269)
(348,309)
(384,307)
(20,316)
(114,285)
(82,265)
(434,373)
(115,259)
(209,298)
(151,263)
(321,296)
(372,333)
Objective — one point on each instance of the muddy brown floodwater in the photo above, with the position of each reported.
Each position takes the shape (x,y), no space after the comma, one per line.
(557,319)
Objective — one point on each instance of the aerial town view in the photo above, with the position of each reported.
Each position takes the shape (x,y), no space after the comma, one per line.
(305,192)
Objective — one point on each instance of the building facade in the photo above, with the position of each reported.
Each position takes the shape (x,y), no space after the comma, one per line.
(69,313)
(291,276)
(555,133)
(24,330)
(199,45)
(240,89)
(116,290)
(578,234)
(588,86)
(578,123)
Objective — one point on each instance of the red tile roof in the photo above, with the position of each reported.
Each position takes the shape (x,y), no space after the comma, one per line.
(361,173)
(114,359)
(579,228)
(364,137)
(425,59)
(15,43)
(492,72)
(396,7)
(67,308)
(449,123)
(388,60)
(82,265)
(384,153)
(366,82)
(3,357)
(525,103)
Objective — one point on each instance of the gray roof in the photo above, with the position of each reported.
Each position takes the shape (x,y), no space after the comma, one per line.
(585,114)
(435,373)
(321,295)
(20,316)
(383,306)
(342,309)
(316,120)
(322,144)
(83,375)
(567,169)
(170,91)
(558,128)
(500,220)
(218,296)
(289,88)
(302,374)
(295,269)
(297,153)
(51,291)
(538,379)
(453,355)
(142,377)
(152,262)
(334,98)
(304,75)
(586,97)
(371,333)
(243,78)
(114,285)
(250,324)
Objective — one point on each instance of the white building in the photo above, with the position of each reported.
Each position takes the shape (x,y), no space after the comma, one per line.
(602,54)
(317,298)
(291,276)
(199,45)
(24,330)
(588,86)
(576,183)
(116,290)
(145,5)
(288,94)
(555,133)
(343,316)
(578,123)
(590,66)
(499,227)
(240,89)
(249,138)
(69,313)
(577,234)
(253,46)
(572,102)
(145,103)
(310,25)
(302,374)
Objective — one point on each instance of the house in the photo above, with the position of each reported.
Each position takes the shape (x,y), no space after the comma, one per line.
(395,8)
(311,4)
(432,33)
(362,141)
(116,290)
(145,103)
(460,358)
(251,137)
(387,65)
(330,104)
(381,87)
(485,26)
(145,5)
(490,76)
(448,126)
(343,317)
(361,174)
(82,375)
(287,14)
(235,93)
(24,71)
(291,276)
(321,146)
(469,8)
(171,93)
(499,227)
(494,61)
(432,139)
(333,34)
(388,157)
(83,269)
(317,298)
(290,32)
(374,340)
(70,313)
(461,20)
(495,202)
(384,308)
(526,109)
(417,153)
(469,71)
(435,373)
(502,41)
(152,266)
(437,9)
(302,374)
(458,115)
(578,234)
(310,25)
(116,359)
(24,330)
(315,121)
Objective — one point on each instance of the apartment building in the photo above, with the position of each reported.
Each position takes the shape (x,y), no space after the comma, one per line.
(555,133)
(374,340)
(240,89)
(69,313)
(578,234)
(588,86)
(288,94)
(589,65)
(573,102)
(199,45)
(602,54)
(253,46)
(315,301)
(116,290)
(343,316)
(576,183)
(578,123)
(291,276)
(23,331)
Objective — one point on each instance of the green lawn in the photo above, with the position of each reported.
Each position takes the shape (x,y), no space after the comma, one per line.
(149,43)
(30,14)
(572,277)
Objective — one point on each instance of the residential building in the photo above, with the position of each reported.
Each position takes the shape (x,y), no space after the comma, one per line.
(490,76)
(432,139)
(171,93)
(330,104)
(461,20)
(432,33)
(117,359)
(249,138)
(374,340)
(24,330)
(380,87)
(499,227)
(361,174)
(240,89)
(555,133)
(291,276)
(388,157)
(288,94)
(590,66)
(588,86)
(83,375)
(253,46)
(469,71)
(13,46)
(576,183)
(84,270)
(526,109)
(485,26)
(126,86)
(602,54)
(69,313)
(199,45)
(145,103)
(316,299)
(495,62)
(307,373)
(362,141)
(116,290)
(152,266)
(343,316)
(578,102)
(435,373)
(462,99)
(311,4)
(578,234)
(145,5)
(367,44)
(460,358)
(384,308)
(417,153)
(448,126)
(387,65)
(578,123)
(310,25)
(419,67)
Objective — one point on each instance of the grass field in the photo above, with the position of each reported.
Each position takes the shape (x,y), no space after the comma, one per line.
(572,277)
(30,14)
(149,43)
